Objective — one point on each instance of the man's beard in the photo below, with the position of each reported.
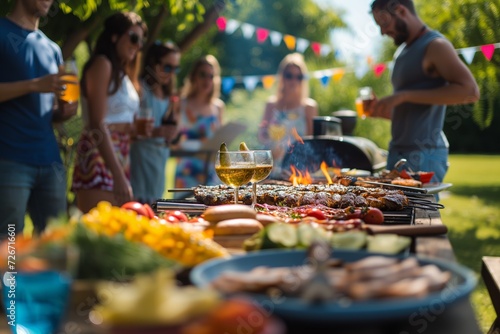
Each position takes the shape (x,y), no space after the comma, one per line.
(402,32)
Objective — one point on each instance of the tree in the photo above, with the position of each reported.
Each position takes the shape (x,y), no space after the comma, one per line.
(73,21)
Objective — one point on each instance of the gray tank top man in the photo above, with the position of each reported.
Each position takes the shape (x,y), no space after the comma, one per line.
(416,127)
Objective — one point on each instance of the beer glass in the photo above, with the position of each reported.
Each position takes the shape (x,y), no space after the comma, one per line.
(71,93)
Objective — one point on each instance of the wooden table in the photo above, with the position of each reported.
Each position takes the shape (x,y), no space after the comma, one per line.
(437,319)
(490,272)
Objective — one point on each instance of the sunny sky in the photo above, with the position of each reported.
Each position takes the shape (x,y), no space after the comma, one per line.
(362,37)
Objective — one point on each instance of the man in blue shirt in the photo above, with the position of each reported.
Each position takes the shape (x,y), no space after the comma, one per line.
(32,177)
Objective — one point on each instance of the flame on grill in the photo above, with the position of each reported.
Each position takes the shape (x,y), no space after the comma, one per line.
(324,169)
(304,177)
(298,177)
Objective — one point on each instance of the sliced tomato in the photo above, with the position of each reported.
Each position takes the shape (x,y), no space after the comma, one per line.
(137,207)
(315,213)
(181,216)
(172,219)
(151,213)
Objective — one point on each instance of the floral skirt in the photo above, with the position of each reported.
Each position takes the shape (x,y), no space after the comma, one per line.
(90,170)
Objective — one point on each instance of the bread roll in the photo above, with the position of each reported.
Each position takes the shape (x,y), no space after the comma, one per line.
(267,219)
(237,226)
(215,214)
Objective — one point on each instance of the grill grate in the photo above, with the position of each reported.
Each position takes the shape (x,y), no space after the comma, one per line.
(406,216)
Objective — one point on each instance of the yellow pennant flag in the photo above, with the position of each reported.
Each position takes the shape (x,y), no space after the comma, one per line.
(338,74)
(289,41)
(268,81)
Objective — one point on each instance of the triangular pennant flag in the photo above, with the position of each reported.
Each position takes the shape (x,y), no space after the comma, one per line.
(325,80)
(221,23)
(369,60)
(316,47)
(275,37)
(289,41)
(468,54)
(248,30)
(227,84)
(302,44)
(262,34)
(268,81)
(488,50)
(250,82)
(379,69)
(231,26)
(338,74)
(325,50)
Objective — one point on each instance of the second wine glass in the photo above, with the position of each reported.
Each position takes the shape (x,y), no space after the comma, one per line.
(235,168)
(263,168)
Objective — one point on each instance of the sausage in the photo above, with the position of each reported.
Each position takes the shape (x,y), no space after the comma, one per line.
(218,213)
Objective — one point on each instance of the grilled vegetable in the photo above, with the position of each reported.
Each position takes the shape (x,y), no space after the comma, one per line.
(225,160)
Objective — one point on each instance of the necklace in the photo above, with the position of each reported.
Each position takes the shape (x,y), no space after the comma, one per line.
(420,33)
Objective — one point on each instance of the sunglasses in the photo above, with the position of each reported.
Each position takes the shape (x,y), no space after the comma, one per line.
(290,76)
(171,69)
(205,75)
(134,38)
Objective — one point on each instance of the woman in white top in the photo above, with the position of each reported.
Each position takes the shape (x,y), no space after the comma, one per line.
(110,102)
(289,114)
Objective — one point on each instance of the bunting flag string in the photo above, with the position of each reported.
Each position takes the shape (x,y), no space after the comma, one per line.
(294,43)
(229,26)
(325,76)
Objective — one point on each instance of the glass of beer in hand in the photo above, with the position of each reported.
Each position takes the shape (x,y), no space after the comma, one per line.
(71,93)
(235,168)
(144,122)
(263,167)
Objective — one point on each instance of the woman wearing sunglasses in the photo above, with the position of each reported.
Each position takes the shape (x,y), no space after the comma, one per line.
(289,114)
(200,116)
(148,156)
(110,101)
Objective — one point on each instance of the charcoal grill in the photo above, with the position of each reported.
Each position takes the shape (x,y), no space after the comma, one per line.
(343,152)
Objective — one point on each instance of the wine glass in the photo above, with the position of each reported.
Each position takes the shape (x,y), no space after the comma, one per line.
(235,168)
(263,168)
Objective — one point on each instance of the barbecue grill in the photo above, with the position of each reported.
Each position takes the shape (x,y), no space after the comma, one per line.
(335,151)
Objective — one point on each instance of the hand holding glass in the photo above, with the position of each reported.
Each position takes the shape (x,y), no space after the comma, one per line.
(144,122)
(235,168)
(263,167)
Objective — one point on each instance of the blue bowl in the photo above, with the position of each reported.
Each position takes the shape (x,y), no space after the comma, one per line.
(462,282)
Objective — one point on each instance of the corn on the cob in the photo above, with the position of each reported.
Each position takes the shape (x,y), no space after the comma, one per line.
(172,241)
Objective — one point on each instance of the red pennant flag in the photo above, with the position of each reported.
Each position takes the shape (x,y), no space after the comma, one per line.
(262,34)
(221,23)
(316,47)
(379,69)
(488,50)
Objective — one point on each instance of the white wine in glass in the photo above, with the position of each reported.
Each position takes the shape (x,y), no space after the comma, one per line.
(263,168)
(235,168)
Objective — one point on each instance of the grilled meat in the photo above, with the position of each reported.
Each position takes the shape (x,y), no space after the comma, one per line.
(332,196)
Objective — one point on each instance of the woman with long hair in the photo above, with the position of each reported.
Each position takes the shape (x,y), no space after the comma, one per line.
(110,101)
(288,114)
(201,113)
(148,156)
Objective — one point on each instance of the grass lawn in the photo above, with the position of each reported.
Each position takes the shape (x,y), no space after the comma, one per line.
(472,215)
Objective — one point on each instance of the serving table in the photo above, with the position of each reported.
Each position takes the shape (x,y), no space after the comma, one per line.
(458,318)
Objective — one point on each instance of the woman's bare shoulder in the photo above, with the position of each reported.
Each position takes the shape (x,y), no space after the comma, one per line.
(309,102)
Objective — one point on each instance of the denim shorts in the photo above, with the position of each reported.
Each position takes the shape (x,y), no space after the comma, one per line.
(432,160)
(38,190)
